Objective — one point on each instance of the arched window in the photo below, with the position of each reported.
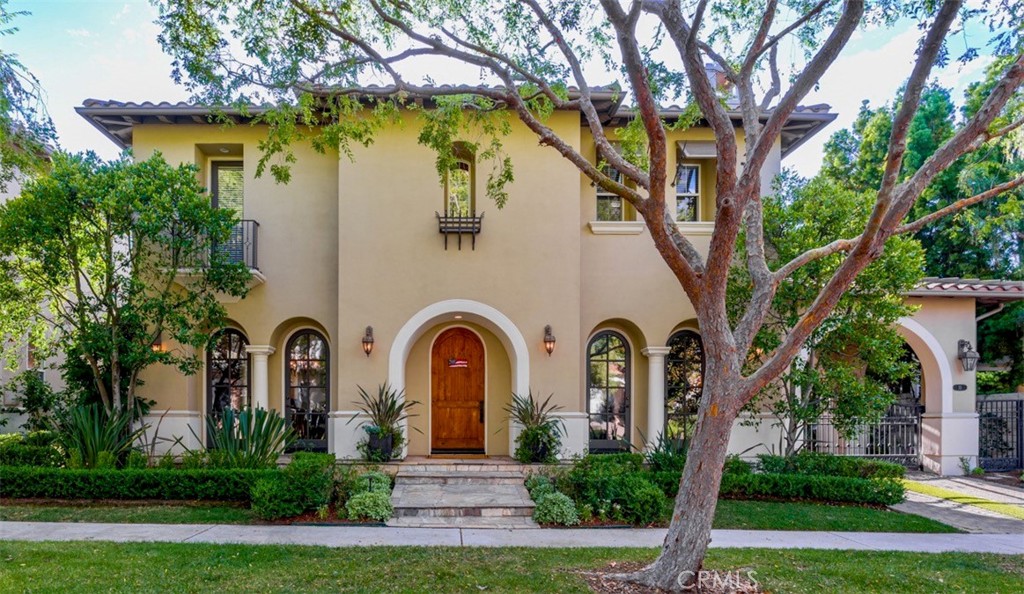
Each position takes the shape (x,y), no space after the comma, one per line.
(458,187)
(608,391)
(684,383)
(307,394)
(227,372)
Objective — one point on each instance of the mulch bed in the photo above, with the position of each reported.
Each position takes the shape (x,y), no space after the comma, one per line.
(602,581)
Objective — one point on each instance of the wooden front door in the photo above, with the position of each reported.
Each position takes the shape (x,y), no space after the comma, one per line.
(457,392)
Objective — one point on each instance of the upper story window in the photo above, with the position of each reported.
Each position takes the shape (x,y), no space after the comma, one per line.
(687,192)
(610,206)
(228,185)
(459,198)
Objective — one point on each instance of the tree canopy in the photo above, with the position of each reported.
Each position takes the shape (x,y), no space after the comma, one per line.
(92,256)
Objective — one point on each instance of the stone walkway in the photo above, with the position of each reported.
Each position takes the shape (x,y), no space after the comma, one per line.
(964,516)
(356,536)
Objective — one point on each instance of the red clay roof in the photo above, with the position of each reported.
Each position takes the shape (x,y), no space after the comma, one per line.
(985,291)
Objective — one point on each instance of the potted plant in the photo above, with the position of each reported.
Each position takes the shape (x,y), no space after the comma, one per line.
(385,411)
(541,434)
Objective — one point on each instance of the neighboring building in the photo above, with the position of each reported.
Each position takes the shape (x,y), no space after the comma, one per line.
(460,305)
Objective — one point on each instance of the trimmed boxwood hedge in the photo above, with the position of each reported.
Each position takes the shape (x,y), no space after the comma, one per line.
(838,489)
(142,483)
(830,465)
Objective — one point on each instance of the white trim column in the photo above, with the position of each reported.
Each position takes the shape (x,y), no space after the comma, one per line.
(655,391)
(260,374)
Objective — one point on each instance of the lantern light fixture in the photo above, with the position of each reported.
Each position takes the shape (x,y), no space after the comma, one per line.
(368,341)
(158,343)
(967,355)
(549,340)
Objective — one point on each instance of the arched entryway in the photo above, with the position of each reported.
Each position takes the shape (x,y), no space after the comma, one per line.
(458,374)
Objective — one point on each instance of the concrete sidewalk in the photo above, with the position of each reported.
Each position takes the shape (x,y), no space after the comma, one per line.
(357,536)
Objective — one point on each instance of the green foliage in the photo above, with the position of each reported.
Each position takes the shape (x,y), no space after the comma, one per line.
(95,438)
(36,399)
(615,484)
(736,465)
(34,449)
(150,483)
(372,481)
(807,462)
(136,460)
(251,438)
(26,131)
(536,480)
(555,508)
(667,455)
(540,436)
(97,245)
(812,487)
(370,505)
(385,412)
(541,490)
(273,498)
(856,353)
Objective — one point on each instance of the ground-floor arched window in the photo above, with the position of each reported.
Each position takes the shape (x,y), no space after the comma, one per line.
(227,372)
(684,383)
(307,388)
(608,391)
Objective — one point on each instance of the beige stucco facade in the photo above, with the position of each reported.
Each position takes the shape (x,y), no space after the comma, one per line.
(354,242)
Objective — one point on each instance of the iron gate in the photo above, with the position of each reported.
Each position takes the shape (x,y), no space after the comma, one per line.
(896,437)
(1000,434)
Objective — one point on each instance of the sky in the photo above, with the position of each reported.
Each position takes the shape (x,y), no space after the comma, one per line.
(108,49)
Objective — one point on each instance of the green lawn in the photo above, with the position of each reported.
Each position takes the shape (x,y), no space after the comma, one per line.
(771,515)
(753,515)
(163,567)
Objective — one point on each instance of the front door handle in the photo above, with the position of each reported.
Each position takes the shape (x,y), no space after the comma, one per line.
(481,411)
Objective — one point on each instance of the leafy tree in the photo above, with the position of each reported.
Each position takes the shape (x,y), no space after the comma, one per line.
(851,359)
(25,127)
(986,241)
(307,58)
(92,257)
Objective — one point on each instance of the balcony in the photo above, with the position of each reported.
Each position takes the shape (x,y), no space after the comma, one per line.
(241,247)
(459,225)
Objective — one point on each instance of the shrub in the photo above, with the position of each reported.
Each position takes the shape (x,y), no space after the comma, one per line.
(13,453)
(666,480)
(311,478)
(136,459)
(372,481)
(148,483)
(372,505)
(833,489)
(95,438)
(251,438)
(736,465)
(345,479)
(273,497)
(555,508)
(534,480)
(829,465)
(541,434)
(541,490)
(40,438)
(642,502)
(667,455)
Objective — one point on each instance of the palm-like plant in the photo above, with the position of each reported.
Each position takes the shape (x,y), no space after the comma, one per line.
(385,410)
(542,431)
(250,438)
(95,438)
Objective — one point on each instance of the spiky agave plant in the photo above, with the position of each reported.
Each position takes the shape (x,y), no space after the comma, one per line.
(95,438)
(250,438)
(542,431)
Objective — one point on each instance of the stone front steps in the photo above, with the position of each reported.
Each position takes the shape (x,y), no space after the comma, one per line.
(472,494)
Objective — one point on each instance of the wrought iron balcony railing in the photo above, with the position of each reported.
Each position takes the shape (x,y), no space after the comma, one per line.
(242,245)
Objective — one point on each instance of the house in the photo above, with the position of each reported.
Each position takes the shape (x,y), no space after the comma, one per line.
(370,270)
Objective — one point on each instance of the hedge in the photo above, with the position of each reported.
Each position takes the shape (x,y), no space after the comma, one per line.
(838,489)
(148,483)
(20,454)
(830,465)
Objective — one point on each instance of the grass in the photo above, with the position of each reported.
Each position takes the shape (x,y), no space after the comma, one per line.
(759,515)
(772,515)
(1007,509)
(172,567)
(155,513)
(751,515)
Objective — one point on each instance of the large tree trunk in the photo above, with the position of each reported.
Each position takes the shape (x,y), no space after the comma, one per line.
(689,534)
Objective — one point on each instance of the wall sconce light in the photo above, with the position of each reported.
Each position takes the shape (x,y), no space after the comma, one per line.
(549,340)
(158,344)
(968,356)
(368,341)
